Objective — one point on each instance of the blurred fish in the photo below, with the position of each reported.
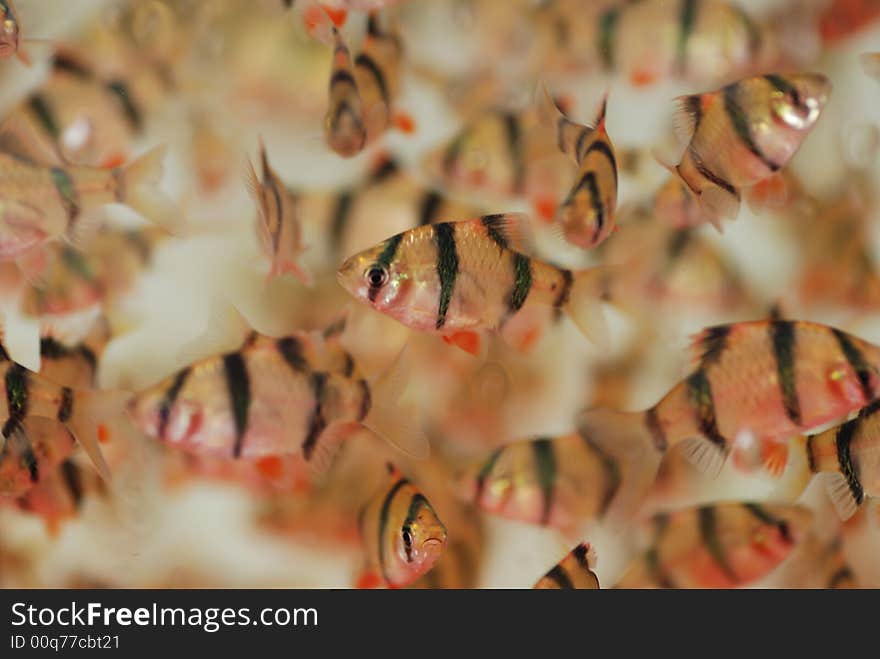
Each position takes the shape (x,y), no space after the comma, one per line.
(273,398)
(550,481)
(10,33)
(463,279)
(769,380)
(871,64)
(42,424)
(74,365)
(726,545)
(844,18)
(278,227)
(587,213)
(44,200)
(402,536)
(362,92)
(100,273)
(744,133)
(575,571)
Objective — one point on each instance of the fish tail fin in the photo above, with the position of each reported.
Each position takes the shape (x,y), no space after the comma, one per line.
(388,417)
(584,305)
(140,187)
(281,266)
(626,437)
(93,416)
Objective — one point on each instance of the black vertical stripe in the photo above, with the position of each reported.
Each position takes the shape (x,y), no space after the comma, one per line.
(613,475)
(17,393)
(565,290)
(66,192)
(365,61)
(291,351)
(687,19)
(740,122)
(558,576)
(514,143)
(811,457)
(700,394)
(39,105)
(712,344)
(783,339)
(168,400)
(843,574)
(428,206)
(495,228)
(589,183)
(65,408)
(340,218)
(366,399)
(762,514)
(447,267)
(580,555)
(522,282)
(658,435)
(845,434)
(711,176)
(607,34)
(384,513)
(18,443)
(73,480)
(857,362)
(545,471)
(693,105)
(317,422)
(601,146)
(132,112)
(390,250)
(708,522)
(238,384)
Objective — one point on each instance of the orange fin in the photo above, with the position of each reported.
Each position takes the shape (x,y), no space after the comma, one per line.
(404,122)
(270,467)
(113,161)
(774,457)
(337,15)
(641,78)
(103,433)
(468,341)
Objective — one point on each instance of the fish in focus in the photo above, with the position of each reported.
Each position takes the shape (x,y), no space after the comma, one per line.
(587,213)
(402,536)
(725,545)
(278,227)
(769,380)
(744,133)
(575,571)
(463,279)
(275,397)
(559,482)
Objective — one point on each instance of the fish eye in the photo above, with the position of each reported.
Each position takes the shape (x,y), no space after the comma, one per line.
(377,276)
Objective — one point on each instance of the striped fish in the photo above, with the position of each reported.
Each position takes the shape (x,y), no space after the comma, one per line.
(42,422)
(651,40)
(550,481)
(275,397)
(773,379)
(725,545)
(99,271)
(74,364)
(278,227)
(744,133)
(401,534)
(575,571)
(45,200)
(848,457)
(362,91)
(61,494)
(587,213)
(463,279)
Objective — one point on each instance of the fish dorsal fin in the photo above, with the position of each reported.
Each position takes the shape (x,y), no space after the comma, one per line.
(599,121)
(19,138)
(687,116)
(707,345)
(509,230)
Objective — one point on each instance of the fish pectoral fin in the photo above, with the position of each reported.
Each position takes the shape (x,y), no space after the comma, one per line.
(841,494)
(703,454)
(327,448)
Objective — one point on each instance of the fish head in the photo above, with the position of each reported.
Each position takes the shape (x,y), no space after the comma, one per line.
(10,37)
(345,131)
(798,107)
(377,281)
(421,541)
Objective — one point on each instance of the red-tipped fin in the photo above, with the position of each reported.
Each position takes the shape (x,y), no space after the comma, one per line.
(470,342)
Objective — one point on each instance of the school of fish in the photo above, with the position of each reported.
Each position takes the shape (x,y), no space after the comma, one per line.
(565,295)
